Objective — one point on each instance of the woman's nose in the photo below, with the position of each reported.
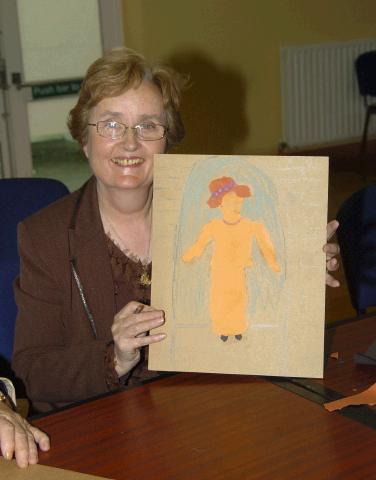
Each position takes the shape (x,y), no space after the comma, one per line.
(130,140)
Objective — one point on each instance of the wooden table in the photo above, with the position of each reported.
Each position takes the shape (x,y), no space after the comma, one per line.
(344,375)
(201,426)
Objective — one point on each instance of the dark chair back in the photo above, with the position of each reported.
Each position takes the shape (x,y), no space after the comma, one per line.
(357,240)
(365,66)
(19,198)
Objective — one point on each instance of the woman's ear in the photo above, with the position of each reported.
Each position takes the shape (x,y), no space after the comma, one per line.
(85,150)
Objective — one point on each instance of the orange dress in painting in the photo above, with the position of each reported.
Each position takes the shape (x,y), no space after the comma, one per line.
(232,254)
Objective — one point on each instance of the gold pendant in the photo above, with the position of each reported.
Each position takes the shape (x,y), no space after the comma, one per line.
(145,280)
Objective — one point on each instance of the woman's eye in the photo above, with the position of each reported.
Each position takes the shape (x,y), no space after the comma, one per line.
(112,125)
(147,126)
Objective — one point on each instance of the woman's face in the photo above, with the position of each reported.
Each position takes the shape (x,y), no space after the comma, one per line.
(127,162)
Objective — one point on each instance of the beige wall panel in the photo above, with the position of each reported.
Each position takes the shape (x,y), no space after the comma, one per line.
(231,49)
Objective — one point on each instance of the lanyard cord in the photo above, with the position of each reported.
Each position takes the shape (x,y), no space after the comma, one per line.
(73,265)
(83,298)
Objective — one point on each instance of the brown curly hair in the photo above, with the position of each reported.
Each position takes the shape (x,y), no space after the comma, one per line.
(117,71)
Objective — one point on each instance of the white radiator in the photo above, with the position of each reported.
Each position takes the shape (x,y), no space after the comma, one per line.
(320,98)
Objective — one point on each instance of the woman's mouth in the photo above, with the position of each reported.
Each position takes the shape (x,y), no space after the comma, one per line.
(127,162)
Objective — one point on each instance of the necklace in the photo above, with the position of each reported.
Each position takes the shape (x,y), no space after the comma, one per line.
(145,278)
(231,223)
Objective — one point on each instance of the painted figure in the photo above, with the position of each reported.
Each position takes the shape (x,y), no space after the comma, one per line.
(232,237)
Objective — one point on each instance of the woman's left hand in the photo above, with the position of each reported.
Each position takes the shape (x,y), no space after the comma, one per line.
(331,250)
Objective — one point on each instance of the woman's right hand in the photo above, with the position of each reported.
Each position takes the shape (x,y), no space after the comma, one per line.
(130,331)
(331,250)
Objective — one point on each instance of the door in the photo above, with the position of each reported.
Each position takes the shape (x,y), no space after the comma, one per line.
(46,45)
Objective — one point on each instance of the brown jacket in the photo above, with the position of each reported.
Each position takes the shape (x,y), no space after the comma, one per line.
(55,351)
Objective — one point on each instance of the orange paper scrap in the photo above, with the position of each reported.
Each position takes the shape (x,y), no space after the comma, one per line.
(367,397)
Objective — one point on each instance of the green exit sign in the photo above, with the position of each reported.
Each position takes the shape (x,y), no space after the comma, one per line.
(56,89)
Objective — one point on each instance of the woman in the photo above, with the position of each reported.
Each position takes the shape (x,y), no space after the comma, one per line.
(84,284)
(83,292)
(232,254)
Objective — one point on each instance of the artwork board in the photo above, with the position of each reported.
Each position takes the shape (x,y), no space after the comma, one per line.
(242,282)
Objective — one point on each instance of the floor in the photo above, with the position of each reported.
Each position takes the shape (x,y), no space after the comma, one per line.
(64,160)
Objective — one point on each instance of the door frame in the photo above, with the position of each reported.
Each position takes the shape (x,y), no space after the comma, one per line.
(111,20)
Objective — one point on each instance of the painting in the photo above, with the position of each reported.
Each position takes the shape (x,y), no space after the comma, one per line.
(238,266)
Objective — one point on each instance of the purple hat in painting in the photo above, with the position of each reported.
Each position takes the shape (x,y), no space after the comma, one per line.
(220,186)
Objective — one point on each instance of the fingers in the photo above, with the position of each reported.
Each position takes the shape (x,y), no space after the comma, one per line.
(332,265)
(137,324)
(25,448)
(133,332)
(130,332)
(331,229)
(331,281)
(40,438)
(143,323)
(6,438)
(135,344)
(18,437)
(133,307)
(331,249)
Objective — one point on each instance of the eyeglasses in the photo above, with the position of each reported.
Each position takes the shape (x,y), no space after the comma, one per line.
(144,131)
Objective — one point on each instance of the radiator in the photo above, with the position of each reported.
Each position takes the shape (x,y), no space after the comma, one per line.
(321,103)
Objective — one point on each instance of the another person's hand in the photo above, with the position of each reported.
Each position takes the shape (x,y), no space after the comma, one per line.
(331,250)
(130,331)
(19,438)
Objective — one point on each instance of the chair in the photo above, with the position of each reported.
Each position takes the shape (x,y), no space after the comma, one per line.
(19,198)
(365,67)
(356,236)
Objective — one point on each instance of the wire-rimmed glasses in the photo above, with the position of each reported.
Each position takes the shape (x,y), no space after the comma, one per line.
(144,131)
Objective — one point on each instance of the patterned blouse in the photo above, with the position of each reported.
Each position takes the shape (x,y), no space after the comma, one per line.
(126,273)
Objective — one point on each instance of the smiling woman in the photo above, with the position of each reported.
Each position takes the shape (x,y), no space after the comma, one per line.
(84,314)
